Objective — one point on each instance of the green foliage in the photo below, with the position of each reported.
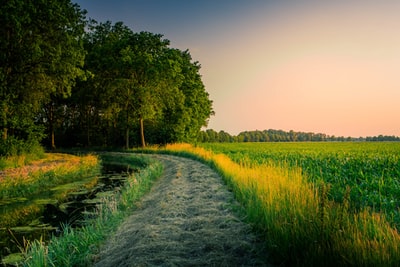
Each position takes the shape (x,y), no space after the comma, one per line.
(11,147)
(41,55)
(189,110)
(130,80)
(16,152)
(138,84)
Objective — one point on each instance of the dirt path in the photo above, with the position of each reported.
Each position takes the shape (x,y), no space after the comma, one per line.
(186,220)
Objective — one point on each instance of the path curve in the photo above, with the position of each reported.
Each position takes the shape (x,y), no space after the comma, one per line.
(186,220)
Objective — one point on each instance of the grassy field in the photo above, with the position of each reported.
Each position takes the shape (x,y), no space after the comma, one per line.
(368,172)
(316,204)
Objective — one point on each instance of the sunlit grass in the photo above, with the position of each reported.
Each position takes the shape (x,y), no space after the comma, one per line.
(371,170)
(78,247)
(300,225)
(46,173)
(16,159)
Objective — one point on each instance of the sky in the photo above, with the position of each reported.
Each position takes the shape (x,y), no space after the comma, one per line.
(315,66)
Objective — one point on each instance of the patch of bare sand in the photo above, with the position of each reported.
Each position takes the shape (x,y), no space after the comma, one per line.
(186,220)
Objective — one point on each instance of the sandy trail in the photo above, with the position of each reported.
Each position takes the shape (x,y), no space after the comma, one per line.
(186,220)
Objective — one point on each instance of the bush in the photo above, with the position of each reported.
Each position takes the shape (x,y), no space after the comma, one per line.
(16,152)
(11,147)
(16,147)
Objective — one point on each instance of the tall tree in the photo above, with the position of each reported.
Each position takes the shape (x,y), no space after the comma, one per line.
(106,45)
(197,100)
(138,80)
(148,76)
(41,55)
(189,108)
(131,68)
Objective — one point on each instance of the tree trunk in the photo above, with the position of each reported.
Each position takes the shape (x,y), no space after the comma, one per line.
(127,129)
(5,130)
(51,122)
(53,143)
(142,132)
(127,137)
(88,126)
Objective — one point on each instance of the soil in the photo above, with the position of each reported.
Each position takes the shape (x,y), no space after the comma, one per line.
(189,218)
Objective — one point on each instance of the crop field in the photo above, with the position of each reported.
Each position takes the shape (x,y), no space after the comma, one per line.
(314,204)
(370,171)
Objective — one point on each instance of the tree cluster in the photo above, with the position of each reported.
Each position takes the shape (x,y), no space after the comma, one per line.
(211,136)
(73,81)
(383,138)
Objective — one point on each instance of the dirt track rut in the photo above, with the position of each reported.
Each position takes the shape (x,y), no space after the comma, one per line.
(186,220)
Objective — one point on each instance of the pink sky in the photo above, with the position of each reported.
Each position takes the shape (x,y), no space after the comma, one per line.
(332,69)
(304,65)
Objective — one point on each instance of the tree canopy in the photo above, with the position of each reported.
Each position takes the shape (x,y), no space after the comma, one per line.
(41,55)
(80,82)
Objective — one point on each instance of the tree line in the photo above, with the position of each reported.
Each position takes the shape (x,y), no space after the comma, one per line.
(211,136)
(71,81)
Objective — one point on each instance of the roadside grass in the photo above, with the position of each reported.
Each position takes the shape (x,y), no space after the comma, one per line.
(46,173)
(79,247)
(299,224)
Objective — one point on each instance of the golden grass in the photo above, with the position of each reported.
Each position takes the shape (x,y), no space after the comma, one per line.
(52,161)
(45,173)
(298,221)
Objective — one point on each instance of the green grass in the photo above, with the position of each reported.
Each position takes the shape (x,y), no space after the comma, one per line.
(300,223)
(37,180)
(286,200)
(78,247)
(370,170)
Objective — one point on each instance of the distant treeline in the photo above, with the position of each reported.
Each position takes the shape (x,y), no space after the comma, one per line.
(210,136)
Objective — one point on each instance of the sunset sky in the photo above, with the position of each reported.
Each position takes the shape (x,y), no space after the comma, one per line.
(320,66)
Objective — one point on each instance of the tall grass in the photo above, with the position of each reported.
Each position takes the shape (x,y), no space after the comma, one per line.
(372,170)
(28,181)
(300,225)
(78,247)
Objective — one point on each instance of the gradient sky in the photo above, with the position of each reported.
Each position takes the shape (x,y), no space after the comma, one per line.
(318,66)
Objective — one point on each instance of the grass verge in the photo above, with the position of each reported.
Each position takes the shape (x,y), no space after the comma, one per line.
(300,226)
(78,247)
(46,173)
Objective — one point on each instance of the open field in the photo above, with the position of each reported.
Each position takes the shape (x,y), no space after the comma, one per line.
(369,171)
(297,214)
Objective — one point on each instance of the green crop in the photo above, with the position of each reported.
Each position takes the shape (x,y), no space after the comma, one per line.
(295,214)
(370,170)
